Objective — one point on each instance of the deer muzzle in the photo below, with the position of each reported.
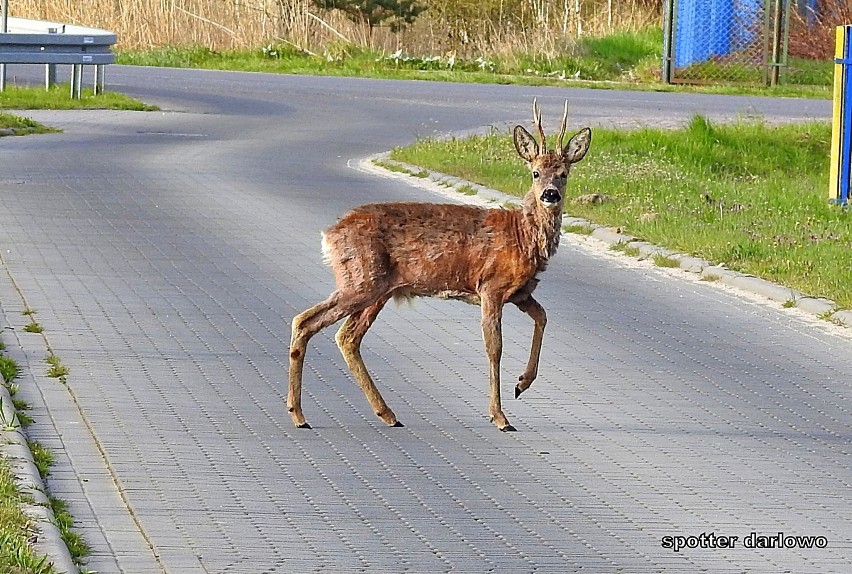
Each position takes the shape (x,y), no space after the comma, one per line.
(550,196)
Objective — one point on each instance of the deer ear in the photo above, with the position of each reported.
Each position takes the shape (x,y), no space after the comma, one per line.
(525,144)
(577,146)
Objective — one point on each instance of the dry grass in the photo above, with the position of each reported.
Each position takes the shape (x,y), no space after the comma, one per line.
(464,27)
(812,32)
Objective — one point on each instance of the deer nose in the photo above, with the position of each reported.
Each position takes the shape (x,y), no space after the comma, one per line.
(550,196)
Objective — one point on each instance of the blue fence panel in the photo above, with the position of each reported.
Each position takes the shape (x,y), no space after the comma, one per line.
(708,29)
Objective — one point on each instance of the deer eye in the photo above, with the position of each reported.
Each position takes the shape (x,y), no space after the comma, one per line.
(536,175)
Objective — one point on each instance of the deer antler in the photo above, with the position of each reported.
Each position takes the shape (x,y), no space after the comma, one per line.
(537,118)
(564,126)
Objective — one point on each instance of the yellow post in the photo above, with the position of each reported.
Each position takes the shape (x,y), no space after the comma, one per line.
(836,123)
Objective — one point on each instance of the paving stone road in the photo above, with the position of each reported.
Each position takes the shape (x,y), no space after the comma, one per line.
(165,254)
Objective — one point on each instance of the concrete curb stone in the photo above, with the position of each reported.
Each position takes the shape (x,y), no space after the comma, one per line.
(815,305)
(610,236)
(843,318)
(16,451)
(763,287)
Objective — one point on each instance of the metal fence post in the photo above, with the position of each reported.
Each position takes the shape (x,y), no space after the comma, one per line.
(666,74)
(841,130)
(776,44)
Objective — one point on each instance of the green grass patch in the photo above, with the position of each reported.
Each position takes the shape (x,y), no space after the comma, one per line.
(394,167)
(750,195)
(58,98)
(8,369)
(625,248)
(42,458)
(77,546)
(57,370)
(578,229)
(631,251)
(16,554)
(665,261)
(12,125)
(33,327)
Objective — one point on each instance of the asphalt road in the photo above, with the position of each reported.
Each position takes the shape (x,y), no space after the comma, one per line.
(165,254)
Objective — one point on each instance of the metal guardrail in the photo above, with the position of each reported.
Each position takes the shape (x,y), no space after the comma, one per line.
(40,42)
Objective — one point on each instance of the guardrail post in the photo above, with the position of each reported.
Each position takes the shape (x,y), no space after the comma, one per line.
(76,80)
(99,79)
(841,130)
(49,76)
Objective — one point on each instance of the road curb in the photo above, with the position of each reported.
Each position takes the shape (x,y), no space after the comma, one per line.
(821,308)
(16,451)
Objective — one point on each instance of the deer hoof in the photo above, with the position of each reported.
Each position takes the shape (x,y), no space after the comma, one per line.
(518,391)
(508,428)
(303,426)
(397,424)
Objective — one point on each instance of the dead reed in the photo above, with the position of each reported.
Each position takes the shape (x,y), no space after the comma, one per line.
(463,27)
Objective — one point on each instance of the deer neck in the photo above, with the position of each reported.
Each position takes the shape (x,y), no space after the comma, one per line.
(543,228)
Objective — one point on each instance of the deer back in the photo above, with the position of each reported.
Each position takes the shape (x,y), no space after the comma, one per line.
(427,249)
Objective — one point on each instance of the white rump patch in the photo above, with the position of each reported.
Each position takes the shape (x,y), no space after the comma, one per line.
(326,249)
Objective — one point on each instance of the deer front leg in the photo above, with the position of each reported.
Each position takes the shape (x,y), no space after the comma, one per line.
(532,308)
(492,315)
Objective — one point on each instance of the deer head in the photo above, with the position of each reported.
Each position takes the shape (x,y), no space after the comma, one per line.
(550,169)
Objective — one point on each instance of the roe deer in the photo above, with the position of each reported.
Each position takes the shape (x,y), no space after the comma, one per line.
(483,256)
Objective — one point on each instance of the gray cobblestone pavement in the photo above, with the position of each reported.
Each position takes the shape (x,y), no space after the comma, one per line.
(165,254)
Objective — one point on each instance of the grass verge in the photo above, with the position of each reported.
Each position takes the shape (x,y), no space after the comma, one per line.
(750,195)
(12,125)
(16,554)
(30,98)
(16,530)
(624,60)
(57,98)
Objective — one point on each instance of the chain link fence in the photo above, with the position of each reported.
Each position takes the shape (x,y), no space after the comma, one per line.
(747,41)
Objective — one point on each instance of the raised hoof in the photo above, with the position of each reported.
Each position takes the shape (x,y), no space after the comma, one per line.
(303,426)
(508,428)
(518,391)
(397,424)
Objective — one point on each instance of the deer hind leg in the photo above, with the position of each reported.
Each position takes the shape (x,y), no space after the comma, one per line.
(349,339)
(532,308)
(492,333)
(305,326)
